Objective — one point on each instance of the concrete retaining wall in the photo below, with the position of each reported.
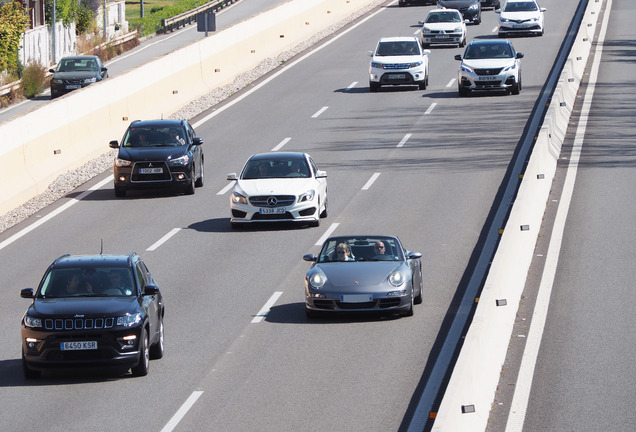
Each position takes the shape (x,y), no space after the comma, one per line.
(62,135)
(474,380)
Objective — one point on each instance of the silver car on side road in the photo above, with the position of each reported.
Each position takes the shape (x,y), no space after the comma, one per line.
(363,273)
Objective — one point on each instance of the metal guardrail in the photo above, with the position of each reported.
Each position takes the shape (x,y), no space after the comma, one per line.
(183,19)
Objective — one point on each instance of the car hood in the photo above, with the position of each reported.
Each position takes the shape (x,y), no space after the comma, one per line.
(361,274)
(520,16)
(76,75)
(443,25)
(493,63)
(397,59)
(88,306)
(139,154)
(287,186)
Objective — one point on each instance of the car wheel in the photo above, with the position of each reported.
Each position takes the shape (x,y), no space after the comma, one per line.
(462,44)
(409,311)
(463,91)
(156,349)
(235,225)
(120,192)
(325,212)
(189,189)
(516,87)
(28,372)
(422,85)
(199,182)
(312,314)
(374,86)
(402,3)
(144,356)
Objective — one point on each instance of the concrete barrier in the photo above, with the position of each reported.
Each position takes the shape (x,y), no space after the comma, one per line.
(473,384)
(59,136)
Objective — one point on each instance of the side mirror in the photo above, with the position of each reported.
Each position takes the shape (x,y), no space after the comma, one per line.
(104,69)
(498,11)
(458,57)
(413,255)
(310,257)
(370,53)
(321,174)
(542,9)
(26,293)
(197,141)
(519,55)
(426,52)
(52,70)
(420,22)
(151,289)
(113,144)
(232,176)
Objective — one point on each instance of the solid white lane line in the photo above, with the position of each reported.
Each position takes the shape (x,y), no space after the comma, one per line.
(164,239)
(404,140)
(174,421)
(451,82)
(265,310)
(496,29)
(226,188)
(352,85)
(54,213)
(281,144)
(431,108)
(373,178)
(519,405)
(320,111)
(327,233)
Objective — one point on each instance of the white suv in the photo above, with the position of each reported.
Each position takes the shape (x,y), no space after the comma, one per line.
(443,26)
(398,61)
(489,64)
(520,16)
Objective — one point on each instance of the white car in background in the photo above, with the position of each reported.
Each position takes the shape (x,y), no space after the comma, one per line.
(279,187)
(443,26)
(398,61)
(521,17)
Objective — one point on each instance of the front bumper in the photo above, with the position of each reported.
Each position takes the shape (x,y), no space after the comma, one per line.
(336,302)
(521,28)
(442,39)
(412,76)
(129,177)
(307,211)
(46,353)
(474,82)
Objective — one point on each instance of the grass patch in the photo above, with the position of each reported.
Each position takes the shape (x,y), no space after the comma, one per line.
(155,11)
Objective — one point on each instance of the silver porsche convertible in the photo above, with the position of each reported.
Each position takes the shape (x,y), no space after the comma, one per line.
(363,273)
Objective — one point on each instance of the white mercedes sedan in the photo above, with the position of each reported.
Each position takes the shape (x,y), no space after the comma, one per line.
(279,187)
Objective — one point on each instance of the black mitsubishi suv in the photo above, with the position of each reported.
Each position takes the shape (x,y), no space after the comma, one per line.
(158,153)
(102,311)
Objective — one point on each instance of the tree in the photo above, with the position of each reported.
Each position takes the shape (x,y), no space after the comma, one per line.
(13,22)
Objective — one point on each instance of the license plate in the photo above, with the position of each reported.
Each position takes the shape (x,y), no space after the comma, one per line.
(488,78)
(397,76)
(73,86)
(150,170)
(274,210)
(442,36)
(77,346)
(356,298)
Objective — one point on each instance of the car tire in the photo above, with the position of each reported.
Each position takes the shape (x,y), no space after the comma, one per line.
(463,91)
(374,86)
(409,312)
(199,182)
(516,87)
(120,192)
(144,356)
(325,212)
(402,3)
(418,297)
(312,314)
(156,349)
(189,189)
(28,372)
(462,44)
(422,85)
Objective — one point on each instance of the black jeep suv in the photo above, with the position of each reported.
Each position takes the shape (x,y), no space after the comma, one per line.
(100,311)
(158,153)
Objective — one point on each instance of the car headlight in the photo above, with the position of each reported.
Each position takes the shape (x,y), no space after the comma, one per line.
(397,278)
(426,29)
(465,68)
(504,20)
(317,280)
(511,67)
(377,65)
(180,161)
(32,322)
(416,64)
(473,7)
(122,162)
(307,196)
(237,198)
(89,80)
(457,30)
(56,81)
(129,320)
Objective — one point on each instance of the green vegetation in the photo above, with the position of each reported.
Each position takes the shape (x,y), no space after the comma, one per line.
(33,79)
(155,11)
(13,22)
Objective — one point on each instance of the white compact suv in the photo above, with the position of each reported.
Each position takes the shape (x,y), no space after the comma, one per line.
(488,65)
(520,16)
(398,61)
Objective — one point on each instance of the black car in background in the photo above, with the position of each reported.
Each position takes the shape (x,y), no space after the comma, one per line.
(75,72)
(101,311)
(470,9)
(158,153)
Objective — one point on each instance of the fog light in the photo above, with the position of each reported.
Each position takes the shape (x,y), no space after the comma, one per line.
(122,178)
(181,176)
(128,342)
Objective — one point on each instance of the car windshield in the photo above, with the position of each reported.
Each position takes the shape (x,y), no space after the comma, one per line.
(361,248)
(73,65)
(520,7)
(88,282)
(163,136)
(488,51)
(398,48)
(442,17)
(276,168)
